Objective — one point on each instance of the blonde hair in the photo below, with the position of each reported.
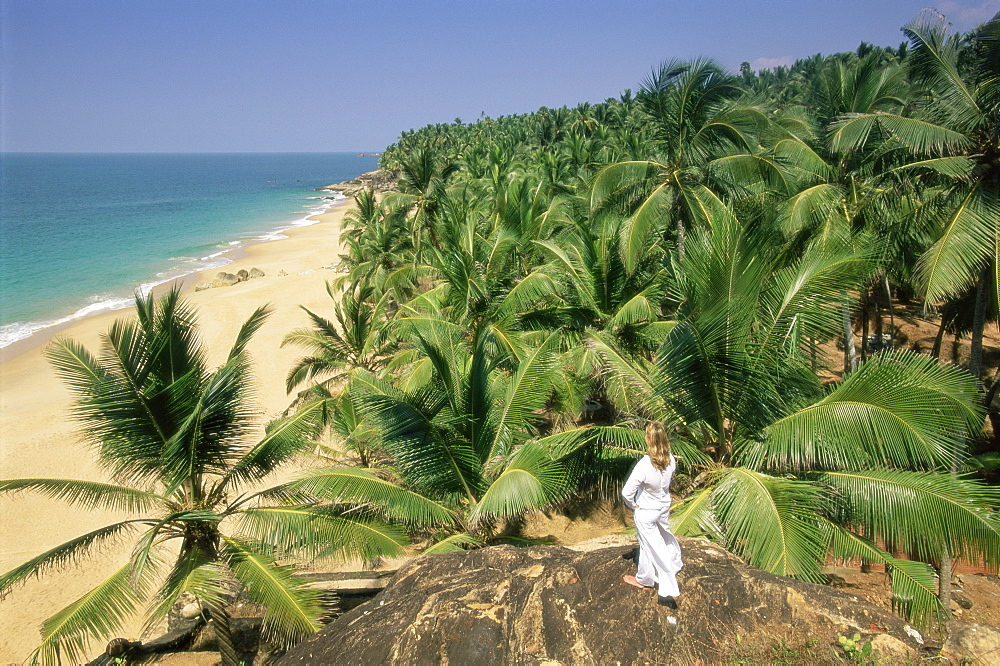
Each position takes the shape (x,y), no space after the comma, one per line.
(658,445)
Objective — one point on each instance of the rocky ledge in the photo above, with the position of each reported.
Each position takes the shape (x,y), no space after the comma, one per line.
(225,279)
(555,605)
(379,181)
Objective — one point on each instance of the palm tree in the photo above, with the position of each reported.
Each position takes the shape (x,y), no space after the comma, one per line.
(959,125)
(599,297)
(421,183)
(695,121)
(789,469)
(851,198)
(377,239)
(359,337)
(173,436)
(457,428)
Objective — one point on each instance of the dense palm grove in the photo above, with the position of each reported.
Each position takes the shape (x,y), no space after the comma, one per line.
(542,285)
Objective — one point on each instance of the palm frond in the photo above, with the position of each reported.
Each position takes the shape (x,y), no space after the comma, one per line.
(283,439)
(853,131)
(899,409)
(89,494)
(194,572)
(635,233)
(96,615)
(772,522)
(453,544)
(922,513)
(354,485)
(321,532)
(529,481)
(293,610)
(526,393)
(966,244)
(694,516)
(247,330)
(64,554)
(914,584)
(628,382)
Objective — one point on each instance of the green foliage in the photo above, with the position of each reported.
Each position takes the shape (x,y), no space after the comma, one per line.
(685,254)
(858,650)
(694,247)
(172,434)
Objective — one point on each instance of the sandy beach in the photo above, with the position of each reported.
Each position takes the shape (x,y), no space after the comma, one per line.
(38,437)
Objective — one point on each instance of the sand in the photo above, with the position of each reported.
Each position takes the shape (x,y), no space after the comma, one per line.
(39,438)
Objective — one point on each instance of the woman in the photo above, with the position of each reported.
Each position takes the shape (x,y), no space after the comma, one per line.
(647,493)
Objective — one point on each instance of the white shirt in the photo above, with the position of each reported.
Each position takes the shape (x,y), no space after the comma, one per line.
(648,487)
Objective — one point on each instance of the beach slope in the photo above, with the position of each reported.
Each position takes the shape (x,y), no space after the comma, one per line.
(39,438)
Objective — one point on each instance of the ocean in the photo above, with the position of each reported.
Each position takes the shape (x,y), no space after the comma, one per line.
(80,233)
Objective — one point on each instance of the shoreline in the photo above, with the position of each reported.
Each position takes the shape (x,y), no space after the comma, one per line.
(40,438)
(47,330)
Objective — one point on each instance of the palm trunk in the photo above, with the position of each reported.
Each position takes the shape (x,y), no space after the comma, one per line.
(992,392)
(680,237)
(878,320)
(944,580)
(892,318)
(979,324)
(224,635)
(850,354)
(975,368)
(865,303)
(936,350)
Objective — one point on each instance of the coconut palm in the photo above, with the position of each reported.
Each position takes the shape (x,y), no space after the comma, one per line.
(458,430)
(600,297)
(421,184)
(852,198)
(377,240)
(358,337)
(695,121)
(794,469)
(957,130)
(173,436)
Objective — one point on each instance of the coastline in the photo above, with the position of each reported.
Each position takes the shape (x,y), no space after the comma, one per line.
(40,439)
(219,260)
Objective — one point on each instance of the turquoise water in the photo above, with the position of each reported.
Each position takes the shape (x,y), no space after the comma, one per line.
(80,233)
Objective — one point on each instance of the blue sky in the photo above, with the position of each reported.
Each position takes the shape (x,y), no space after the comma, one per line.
(305,75)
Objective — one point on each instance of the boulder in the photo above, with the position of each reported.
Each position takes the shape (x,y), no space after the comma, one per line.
(242,275)
(972,643)
(224,279)
(191,611)
(256,273)
(555,605)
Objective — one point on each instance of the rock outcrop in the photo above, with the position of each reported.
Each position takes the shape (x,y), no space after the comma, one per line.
(224,279)
(379,181)
(972,643)
(552,605)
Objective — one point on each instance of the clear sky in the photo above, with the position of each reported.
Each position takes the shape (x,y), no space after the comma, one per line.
(310,75)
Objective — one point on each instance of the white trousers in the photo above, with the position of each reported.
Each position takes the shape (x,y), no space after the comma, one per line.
(659,551)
